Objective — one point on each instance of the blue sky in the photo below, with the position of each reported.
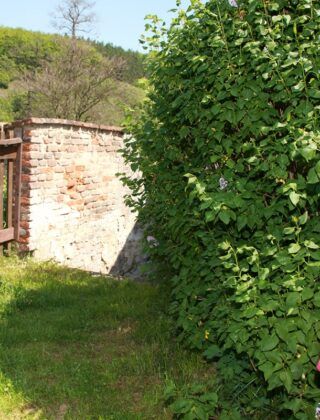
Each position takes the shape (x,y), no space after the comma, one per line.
(119,21)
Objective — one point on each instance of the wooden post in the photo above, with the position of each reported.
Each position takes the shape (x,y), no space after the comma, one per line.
(10,167)
(10,195)
(1,199)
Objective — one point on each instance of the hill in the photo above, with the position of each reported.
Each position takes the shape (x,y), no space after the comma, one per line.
(22,51)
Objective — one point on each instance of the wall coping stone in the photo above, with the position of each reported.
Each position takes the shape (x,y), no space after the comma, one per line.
(56,121)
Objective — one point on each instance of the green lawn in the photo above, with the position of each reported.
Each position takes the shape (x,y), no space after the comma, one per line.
(76,346)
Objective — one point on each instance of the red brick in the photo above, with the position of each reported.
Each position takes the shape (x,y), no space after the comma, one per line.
(80,168)
(71,183)
(60,198)
(25,201)
(76,203)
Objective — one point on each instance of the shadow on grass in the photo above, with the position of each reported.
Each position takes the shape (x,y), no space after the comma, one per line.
(75,346)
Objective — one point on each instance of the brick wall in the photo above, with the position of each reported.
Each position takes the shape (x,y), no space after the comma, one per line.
(72,203)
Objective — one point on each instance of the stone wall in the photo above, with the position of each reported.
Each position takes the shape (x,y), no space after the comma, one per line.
(73,208)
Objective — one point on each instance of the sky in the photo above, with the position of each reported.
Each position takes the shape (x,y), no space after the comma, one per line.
(120,22)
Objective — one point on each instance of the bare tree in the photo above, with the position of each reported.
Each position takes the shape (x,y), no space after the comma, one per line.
(71,85)
(74,16)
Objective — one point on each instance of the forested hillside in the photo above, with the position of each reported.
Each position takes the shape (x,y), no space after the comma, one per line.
(23,52)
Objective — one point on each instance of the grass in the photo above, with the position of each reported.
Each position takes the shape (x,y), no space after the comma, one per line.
(76,346)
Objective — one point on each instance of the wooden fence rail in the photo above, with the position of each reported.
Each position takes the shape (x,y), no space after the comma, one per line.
(10,186)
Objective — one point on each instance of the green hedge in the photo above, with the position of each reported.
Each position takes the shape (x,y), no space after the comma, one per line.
(228,148)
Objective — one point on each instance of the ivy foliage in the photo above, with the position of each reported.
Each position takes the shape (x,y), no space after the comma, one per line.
(194,402)
(228,148)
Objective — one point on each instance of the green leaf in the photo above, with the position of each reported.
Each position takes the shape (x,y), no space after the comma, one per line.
(210,216)
(224,216)
(242,221)
(294,198)
(314,93)
(292,299)
(312,177)
(269,342)
(294,405)
(316,300)
(308,153)
(286,378)
(212,352)
(181,406)
(315,255)
(250,312)
(263,273)
(288,230)
(225,245)
(199,413)
(294,248)
(274,382)
(307,293)
(282,332)
(274,356)
(268,369)
(303,219)
(311,244)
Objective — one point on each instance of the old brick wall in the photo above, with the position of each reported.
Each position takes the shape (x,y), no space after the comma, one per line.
(73,208)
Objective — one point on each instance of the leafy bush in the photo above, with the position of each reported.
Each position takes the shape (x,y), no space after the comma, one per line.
(228,149)
(194,402)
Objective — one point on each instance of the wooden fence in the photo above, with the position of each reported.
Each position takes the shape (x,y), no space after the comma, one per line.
(10,186)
